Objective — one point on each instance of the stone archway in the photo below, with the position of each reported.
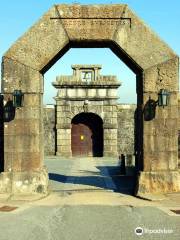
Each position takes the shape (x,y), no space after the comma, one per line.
(114,26)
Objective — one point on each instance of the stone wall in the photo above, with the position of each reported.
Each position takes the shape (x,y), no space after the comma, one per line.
(179,133)
(49,130)
(126,129)
(125,115)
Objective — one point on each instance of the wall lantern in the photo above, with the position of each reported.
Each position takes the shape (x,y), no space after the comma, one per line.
(18,98)
(9,111)
(8,108)
(150,106)
(163,97)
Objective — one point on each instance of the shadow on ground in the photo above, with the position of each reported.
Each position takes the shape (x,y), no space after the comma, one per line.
(121,183)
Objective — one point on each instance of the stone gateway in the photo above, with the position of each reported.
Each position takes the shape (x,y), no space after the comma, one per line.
(153,62)
(87,103)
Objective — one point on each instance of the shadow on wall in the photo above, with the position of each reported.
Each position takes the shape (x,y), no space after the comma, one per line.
(179,149)
(150,110)
(1,134)
(7,114)
(138,140)
(147,113)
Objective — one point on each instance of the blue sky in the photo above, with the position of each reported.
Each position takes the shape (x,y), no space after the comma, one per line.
(161,15)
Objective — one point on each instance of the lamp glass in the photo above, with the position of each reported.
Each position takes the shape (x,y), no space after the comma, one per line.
(18,98)
(163,96)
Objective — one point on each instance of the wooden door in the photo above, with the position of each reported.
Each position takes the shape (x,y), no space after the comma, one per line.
(81,140)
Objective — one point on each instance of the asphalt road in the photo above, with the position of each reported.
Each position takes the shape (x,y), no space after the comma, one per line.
(86,223)
(81,207)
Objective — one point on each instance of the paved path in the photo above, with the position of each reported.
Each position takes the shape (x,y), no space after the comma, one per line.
(93,174)
(80,174)
(86,204)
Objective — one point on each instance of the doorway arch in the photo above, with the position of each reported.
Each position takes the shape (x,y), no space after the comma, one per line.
(114,26)
(87,135)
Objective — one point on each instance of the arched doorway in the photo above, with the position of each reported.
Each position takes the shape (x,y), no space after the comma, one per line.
(87,135)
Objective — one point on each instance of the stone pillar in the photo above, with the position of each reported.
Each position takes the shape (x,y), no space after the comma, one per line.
(96,73)
(110,142)
(160,140)
(110,131)
(64,142)
(63,127)
(23,135)
(77,73)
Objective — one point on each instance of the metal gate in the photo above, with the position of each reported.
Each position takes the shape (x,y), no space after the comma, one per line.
(81,140)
